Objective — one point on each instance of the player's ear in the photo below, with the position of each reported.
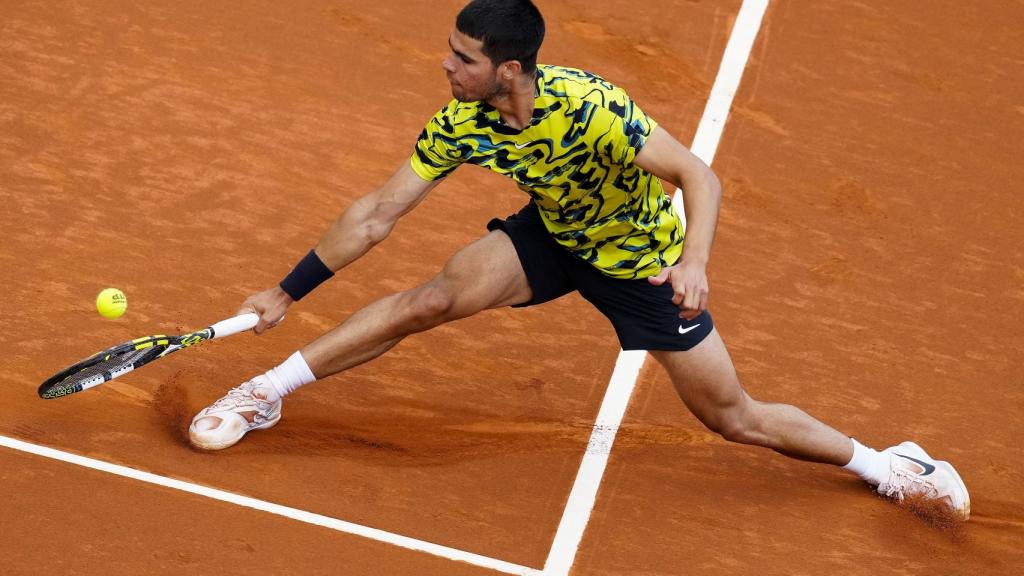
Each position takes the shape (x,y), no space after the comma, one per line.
(509,69)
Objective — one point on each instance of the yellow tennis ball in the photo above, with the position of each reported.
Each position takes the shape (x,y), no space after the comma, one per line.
(111,303)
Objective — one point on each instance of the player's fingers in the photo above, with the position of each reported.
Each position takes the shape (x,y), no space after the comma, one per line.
(692,300)
(247,308)
(689,314)
(688,304)
(660,277)
(678,296)
(267,321)
(690,310)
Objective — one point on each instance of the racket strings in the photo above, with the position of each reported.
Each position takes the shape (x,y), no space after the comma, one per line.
(110,367)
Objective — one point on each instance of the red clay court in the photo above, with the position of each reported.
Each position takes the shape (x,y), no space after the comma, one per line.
(869,267)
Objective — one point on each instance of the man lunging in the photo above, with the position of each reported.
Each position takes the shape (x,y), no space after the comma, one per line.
(598,221)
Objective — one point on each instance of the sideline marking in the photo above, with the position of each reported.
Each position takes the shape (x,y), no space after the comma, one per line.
(627,366)
(293,513)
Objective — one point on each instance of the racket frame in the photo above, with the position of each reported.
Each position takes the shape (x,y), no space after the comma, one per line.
(160,344)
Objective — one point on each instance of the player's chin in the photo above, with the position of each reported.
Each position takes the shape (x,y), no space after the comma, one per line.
(462,95)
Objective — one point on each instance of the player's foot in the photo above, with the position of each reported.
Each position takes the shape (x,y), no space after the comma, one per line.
(912,472)
(243,408)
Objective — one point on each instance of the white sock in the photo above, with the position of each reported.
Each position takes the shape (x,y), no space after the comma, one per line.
(869,464)
(289,376)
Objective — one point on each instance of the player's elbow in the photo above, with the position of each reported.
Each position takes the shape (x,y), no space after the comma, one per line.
(704,181)
(715,186)
(376,228)
(372,223)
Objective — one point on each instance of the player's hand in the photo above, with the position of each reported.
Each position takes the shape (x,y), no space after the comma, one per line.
(689,280)
(270,305)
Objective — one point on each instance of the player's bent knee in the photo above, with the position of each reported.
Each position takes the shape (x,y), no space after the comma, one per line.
(737,431)
(735,425)
(431,304)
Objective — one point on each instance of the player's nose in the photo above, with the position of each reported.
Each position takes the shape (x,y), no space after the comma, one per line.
(448,64)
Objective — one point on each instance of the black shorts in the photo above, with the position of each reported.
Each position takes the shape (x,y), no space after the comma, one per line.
(643,315)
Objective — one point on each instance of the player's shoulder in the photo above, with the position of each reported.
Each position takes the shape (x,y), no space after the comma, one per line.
(578,85)
(454,115)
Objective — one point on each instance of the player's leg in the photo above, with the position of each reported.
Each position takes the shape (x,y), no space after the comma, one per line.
(706,381)
(703,374)
(518,263)
(695,357)
(485,274)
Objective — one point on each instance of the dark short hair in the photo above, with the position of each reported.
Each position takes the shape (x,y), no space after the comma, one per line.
(509,29)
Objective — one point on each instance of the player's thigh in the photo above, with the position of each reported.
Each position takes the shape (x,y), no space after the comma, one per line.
(706,380)
(485,274)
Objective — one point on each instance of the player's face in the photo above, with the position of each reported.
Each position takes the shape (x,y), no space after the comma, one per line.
(472,75)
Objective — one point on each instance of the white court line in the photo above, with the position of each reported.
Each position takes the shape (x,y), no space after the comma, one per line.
(293,513)
(741,42)
(627,367)
(588,479)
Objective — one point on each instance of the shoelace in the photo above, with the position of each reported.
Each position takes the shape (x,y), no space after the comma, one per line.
(242,397)
(904,482)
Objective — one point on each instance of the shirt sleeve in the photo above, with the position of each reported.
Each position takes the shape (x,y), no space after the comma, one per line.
(436,153)
(629,129)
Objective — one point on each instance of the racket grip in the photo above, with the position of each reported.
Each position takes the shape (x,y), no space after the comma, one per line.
(235,325)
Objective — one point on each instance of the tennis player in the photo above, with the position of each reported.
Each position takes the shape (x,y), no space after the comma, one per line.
(597,221)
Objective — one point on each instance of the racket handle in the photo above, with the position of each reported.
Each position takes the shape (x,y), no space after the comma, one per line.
(235,325)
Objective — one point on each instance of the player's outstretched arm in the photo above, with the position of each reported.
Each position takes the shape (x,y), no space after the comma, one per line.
(663,156)
(364,224)
(371,218)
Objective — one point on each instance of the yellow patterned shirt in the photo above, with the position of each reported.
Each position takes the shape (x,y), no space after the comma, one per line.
(575,160)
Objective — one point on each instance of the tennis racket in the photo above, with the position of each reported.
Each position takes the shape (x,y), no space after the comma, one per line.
(123,358)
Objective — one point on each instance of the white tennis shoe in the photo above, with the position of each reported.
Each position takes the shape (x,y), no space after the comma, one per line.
(244,408)
(913,472)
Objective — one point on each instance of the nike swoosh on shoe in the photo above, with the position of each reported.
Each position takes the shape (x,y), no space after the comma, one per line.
(928,468)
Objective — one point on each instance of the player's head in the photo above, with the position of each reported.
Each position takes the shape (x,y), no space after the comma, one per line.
(509,30)
(493,41)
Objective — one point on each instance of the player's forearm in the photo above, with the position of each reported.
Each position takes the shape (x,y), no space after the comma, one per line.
(370,219)
(357,230)
(702,196)
(354,233)
(364,224)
